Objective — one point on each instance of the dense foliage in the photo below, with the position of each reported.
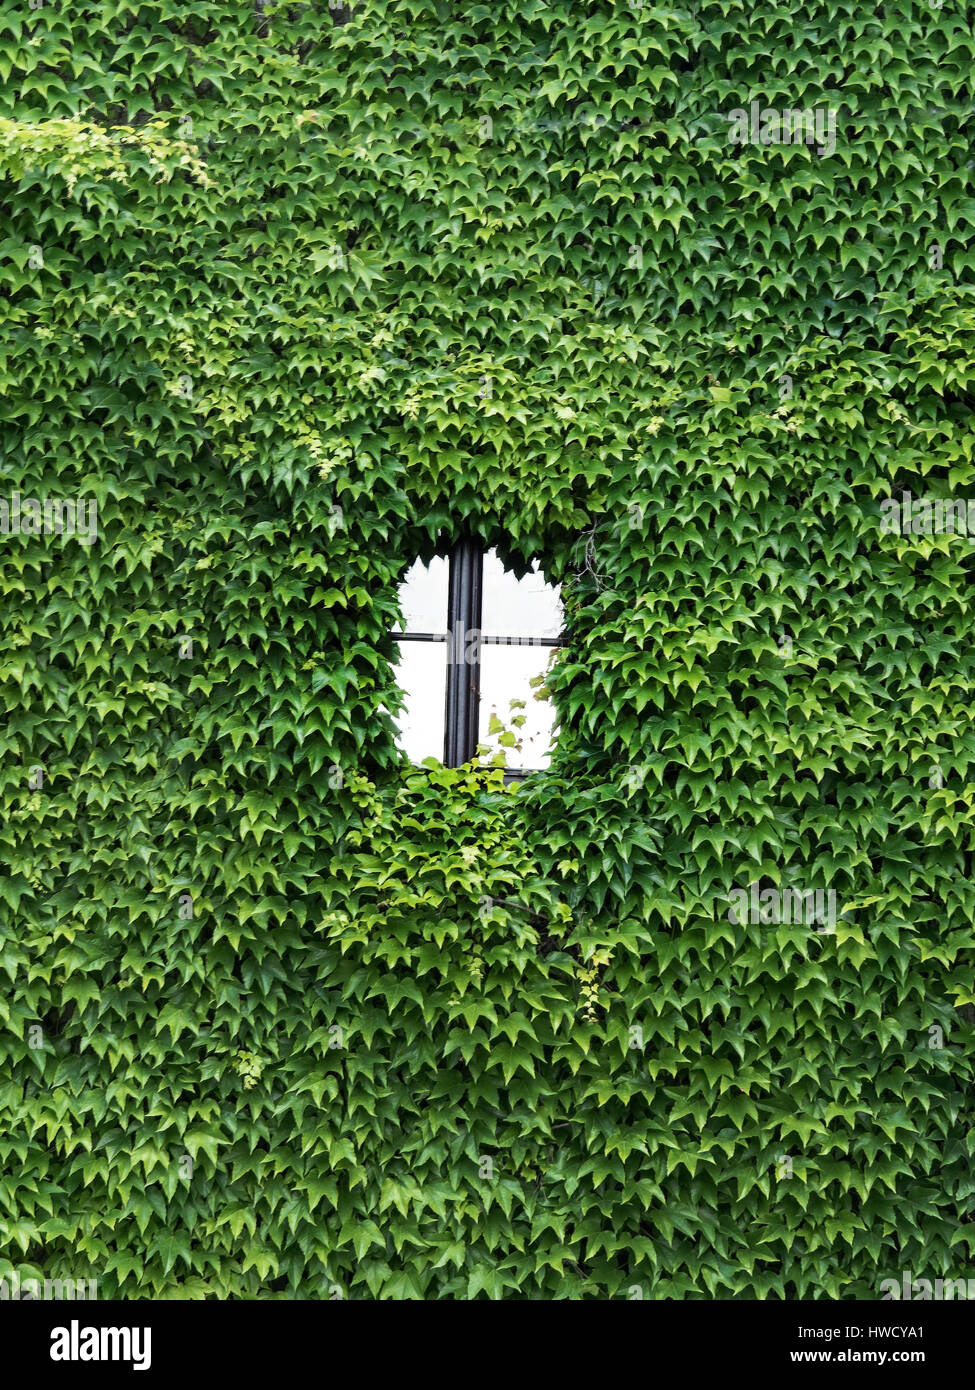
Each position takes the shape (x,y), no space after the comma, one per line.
(295,294)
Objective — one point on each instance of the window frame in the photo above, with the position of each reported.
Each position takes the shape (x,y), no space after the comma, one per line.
(465,591)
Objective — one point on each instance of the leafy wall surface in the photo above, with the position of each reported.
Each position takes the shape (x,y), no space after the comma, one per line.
(291,293)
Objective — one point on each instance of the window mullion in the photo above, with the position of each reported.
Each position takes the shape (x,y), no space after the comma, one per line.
(463,651)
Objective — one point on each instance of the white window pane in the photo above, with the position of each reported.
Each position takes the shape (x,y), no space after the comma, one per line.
(518,607)
(423,596)
(505,673)
(421,673)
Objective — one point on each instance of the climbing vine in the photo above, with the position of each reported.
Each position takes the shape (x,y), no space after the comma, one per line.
(677,301)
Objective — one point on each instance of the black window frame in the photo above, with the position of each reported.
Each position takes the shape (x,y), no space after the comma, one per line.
(465,589)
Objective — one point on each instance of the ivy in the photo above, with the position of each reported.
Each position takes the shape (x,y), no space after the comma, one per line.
(292,294)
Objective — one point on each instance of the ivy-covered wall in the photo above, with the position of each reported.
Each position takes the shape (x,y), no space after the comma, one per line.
(678,300)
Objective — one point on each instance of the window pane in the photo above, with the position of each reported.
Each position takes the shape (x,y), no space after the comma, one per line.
(518,607)
(421,673)
(505,673)
(423,597)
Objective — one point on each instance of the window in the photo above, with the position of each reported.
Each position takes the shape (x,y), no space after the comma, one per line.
(474,636)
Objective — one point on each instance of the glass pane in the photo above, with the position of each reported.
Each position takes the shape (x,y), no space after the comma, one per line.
(505,673)
(423,596)
(421,673)
(518,607)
